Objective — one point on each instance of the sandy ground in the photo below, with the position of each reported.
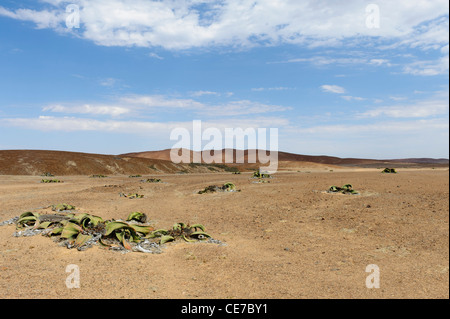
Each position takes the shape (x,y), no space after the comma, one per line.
(284,239)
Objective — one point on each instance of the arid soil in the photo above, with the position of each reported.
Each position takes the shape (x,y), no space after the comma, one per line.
(285,239)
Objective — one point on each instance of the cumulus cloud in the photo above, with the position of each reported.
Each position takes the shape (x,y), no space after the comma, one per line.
(278,88)
(333,89)
(232,108)
(386,127)
(436,106)
(143,105)
(428,67)
(176,25)
(74,124)
(88,109)
(352,98)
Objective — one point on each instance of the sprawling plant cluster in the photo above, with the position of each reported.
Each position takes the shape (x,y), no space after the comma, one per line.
(51,181)
(82,230)
(227,187)
(151,180)
(259,174)
(346,189)
(131,195)
(389,171)
(98,176)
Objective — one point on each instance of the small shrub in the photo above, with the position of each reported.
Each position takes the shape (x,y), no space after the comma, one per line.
(227,187)
(152,180)
(346,189)
(51,181)
(389,171)
(259,174)
(131,196)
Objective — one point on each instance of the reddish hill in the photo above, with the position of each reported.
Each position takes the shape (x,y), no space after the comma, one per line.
(37,162)
(322,159)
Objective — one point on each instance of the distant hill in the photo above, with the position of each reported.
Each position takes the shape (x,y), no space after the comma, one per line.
(442,161)
(318,159)
(59,163)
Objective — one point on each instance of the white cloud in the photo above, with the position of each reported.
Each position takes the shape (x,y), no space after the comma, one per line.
(398,98)
(431,34)
(201,93)
(435,106)
(333,89)
(232,108)
(110,82)
(156,56)
(352,98)
(88,109)
(178,25)
(43,19)
(73,124)
(279,88)
(161,101)
(378,128)
(429,67)
(325,60)
(380,62)
(144,105)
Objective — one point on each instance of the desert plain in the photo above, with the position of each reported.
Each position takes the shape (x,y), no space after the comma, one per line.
(287,239)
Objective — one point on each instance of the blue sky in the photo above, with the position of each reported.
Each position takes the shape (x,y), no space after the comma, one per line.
(342,78)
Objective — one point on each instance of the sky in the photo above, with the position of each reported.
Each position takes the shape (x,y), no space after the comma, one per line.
(365,79)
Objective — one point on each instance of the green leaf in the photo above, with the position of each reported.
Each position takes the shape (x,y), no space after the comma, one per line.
(102,243)
(91,220)
(141,229)
(43,225)
(157,233)
(186,239)
(229,187)
(121,236)
(70,230)
(77,218)
(137,216)
(56,231)
(27,218)
(82,239)
(113,226)
(179,226)
(165,239)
